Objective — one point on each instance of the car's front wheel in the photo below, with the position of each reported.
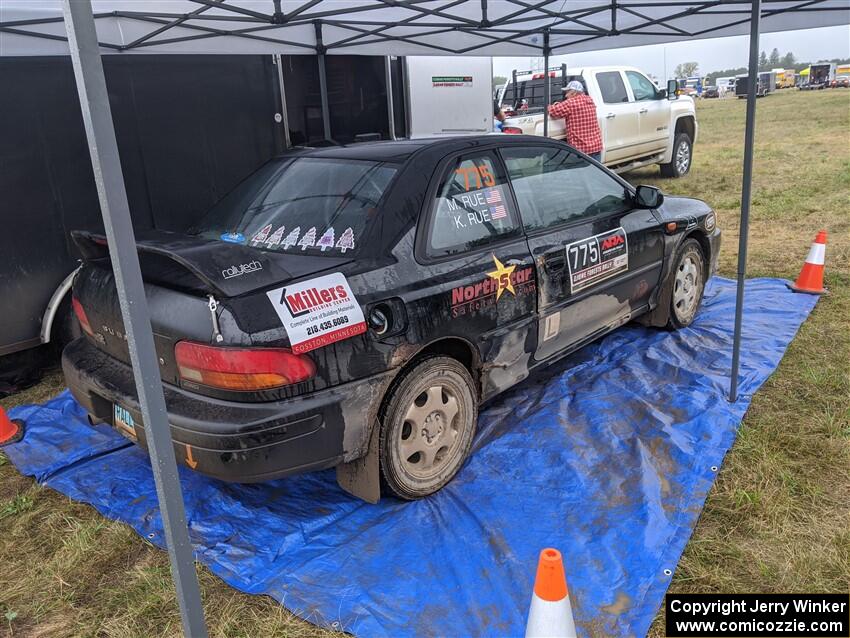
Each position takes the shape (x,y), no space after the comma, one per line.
(427,426)
(680,163)
(688,284)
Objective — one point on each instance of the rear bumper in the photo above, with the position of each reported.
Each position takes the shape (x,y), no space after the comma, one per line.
(233,441)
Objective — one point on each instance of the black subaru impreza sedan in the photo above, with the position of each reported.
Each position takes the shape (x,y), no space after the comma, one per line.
(351,307)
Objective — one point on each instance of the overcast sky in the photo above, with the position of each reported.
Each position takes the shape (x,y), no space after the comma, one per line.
(712,55)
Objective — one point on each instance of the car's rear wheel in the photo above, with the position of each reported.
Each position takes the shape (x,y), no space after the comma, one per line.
(427,426)
(688,284)
(680,164)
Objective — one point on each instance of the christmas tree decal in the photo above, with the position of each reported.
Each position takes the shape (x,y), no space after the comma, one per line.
(291,238)
(346,241)
(262,234)
(275,237)
(327,240)
(309,239)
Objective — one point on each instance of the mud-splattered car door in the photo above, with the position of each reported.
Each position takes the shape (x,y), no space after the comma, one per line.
(478,275)
(597,258)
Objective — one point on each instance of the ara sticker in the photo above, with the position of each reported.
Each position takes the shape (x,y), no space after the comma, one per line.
(318,312)
(346,240)
(291,238)
(597,258)
(309,239)
(276,237)
(262,235)
(326,240)
(233,238)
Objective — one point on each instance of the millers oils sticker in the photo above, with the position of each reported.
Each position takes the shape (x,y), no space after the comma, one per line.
(318,312)
(597,258)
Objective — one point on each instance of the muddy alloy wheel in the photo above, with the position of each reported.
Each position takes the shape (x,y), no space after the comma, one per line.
(427,427)
(688,284)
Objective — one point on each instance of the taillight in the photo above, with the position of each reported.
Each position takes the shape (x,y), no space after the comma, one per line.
(81,316)
(241,368)
(512,130)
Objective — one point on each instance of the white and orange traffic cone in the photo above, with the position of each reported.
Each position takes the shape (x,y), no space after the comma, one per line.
(811,276)
(11,431)
(551,615)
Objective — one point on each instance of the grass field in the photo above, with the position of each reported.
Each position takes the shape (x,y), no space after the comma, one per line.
(777,519)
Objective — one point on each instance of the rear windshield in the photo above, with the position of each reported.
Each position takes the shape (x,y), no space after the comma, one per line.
(305,204)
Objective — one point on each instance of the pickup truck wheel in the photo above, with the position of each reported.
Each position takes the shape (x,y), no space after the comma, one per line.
(427,427)
(682,154)
(688,284)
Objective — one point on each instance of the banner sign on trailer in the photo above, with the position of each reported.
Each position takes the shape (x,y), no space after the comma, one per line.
(451,80)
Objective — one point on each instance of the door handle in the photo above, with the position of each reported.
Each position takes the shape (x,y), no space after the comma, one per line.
(555,260)
(644,110)
(610,116)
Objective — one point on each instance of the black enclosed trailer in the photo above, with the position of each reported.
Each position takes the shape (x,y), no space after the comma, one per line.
(742,84)
(189,128)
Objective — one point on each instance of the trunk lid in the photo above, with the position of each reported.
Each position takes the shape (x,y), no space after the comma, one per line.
(192,264)
(180,272)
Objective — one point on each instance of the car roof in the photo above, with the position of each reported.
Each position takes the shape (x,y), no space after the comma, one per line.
(399,151)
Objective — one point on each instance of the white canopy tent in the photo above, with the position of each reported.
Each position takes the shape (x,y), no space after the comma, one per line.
(399,27)
(87,28)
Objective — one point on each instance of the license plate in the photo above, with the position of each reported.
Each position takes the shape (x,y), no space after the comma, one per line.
(123,420)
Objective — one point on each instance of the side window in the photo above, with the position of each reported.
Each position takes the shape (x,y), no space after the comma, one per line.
(473,207)
(555,186)
(641,85)
(612,88)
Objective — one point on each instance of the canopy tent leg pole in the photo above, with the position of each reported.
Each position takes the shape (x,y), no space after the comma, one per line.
(547,91)
(278,60)
(746,192)
(390,107)
(109,180)
(323,82)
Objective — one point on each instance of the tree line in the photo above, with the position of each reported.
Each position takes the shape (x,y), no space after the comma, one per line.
(766,63)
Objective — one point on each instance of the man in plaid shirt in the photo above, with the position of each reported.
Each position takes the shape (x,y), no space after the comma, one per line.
(579,111)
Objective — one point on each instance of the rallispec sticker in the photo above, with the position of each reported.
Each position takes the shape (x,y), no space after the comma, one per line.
(318,312)
(233,238)
(597,258)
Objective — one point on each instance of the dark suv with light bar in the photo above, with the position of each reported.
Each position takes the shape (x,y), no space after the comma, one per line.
(351,307)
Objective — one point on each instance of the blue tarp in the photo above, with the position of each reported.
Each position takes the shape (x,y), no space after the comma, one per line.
(609,458)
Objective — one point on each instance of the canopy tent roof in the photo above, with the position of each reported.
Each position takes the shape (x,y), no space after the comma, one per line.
(399,27)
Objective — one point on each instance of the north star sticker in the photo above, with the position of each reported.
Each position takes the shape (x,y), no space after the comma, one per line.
(502,275)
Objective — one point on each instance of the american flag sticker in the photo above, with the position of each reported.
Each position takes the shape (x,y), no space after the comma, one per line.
(498,212)
(494,197)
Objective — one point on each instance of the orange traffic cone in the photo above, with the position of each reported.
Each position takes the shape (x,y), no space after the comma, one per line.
(10,431)
(551,615)
(811,276)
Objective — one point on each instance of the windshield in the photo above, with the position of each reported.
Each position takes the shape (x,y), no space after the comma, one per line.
(305,204)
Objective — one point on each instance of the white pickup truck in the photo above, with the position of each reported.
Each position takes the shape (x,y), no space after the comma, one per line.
(640,123)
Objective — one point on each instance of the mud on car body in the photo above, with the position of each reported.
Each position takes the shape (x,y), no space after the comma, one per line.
(351,307)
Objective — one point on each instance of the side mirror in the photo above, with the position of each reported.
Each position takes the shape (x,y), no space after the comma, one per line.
(672,89)
(648,197)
